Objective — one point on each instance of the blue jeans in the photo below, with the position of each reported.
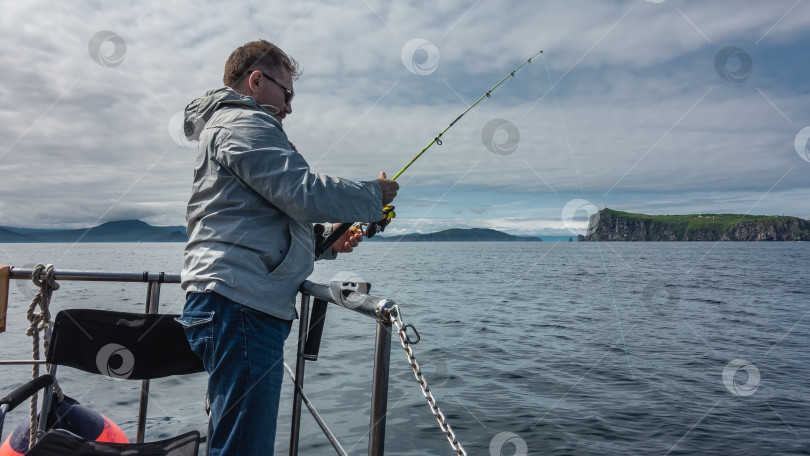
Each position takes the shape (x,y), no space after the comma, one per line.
(243,351)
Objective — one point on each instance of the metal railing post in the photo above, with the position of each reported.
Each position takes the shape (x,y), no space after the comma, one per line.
(379,390)
(299,374)
(152,305)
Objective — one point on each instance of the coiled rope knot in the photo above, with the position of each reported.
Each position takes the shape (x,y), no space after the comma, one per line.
(40,321)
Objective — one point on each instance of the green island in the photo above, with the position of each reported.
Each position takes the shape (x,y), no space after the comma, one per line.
(459,235)
(612,225)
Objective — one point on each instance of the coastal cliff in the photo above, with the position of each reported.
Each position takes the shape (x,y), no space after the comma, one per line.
(610,225)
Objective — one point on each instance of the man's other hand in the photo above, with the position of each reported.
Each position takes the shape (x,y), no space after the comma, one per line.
(389,188)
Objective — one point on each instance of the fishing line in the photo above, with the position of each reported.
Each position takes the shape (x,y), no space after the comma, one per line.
(582,191)
(438,141)
(388,211)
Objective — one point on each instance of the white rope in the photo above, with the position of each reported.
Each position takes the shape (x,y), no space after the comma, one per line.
(40,321)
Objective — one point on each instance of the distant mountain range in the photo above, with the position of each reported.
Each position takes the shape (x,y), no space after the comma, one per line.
(606,225)
(138,231)
(120,231)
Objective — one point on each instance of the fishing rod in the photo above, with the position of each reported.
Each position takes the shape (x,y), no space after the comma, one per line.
(388,211)
(438,141)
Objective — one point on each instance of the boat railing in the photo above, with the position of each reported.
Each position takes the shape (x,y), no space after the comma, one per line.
(314,302)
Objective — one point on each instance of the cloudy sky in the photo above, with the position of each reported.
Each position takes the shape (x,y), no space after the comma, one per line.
(661,107)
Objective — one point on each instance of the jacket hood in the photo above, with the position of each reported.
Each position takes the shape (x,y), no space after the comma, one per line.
(199,111)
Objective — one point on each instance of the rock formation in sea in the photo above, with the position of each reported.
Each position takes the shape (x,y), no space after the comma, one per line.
(611,225)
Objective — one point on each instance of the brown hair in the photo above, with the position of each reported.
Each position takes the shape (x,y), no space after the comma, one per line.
(262,54)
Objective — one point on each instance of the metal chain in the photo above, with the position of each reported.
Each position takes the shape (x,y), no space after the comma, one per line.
(396,319)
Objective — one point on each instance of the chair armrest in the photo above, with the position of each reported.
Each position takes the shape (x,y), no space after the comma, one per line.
(25,391)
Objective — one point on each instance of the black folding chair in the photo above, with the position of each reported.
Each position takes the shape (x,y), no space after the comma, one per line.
(116,344)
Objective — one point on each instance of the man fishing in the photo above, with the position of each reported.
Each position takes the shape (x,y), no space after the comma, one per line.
(251,240)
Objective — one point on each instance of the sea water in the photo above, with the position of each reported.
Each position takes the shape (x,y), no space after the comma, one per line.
(529,348)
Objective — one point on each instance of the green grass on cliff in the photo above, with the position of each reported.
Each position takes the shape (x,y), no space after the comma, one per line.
(681,224)
(712,220)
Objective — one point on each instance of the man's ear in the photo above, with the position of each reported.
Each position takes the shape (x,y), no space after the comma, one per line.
(251,82)
(249,85)
(243,85)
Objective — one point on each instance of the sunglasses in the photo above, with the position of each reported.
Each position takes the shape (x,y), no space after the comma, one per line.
(288,94)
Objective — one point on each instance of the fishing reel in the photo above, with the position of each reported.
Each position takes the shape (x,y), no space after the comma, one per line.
(379,226)
(322,244)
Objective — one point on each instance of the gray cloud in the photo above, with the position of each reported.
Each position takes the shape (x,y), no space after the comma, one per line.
(642,105)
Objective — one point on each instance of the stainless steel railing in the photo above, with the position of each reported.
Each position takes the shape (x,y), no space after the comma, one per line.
(311,326)
(378,308)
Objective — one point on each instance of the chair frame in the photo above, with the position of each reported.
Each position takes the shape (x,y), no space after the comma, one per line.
(148,331)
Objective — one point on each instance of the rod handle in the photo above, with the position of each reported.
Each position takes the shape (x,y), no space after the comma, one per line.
(334,236)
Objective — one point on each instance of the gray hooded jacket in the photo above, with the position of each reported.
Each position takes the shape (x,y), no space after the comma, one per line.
(253,204)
